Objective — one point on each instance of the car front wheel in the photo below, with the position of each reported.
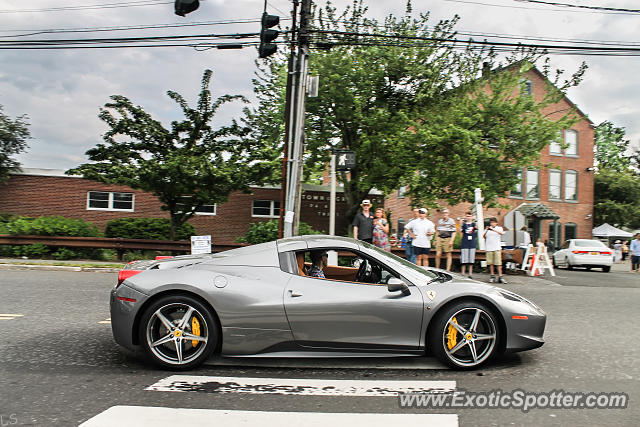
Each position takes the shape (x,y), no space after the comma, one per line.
(178,332)
(465,335)
(606,268)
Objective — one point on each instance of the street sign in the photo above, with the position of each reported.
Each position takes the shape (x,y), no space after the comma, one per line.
(200,245)
(345,160)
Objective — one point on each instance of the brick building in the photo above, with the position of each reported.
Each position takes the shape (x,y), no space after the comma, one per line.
(46,192)
(566,188)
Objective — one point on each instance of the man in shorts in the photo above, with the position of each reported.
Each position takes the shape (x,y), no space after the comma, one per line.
(445,236)
(634,250)
(421,230)
(493,249)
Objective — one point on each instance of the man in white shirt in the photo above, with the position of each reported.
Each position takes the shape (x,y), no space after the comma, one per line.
(493,248)
(421,230)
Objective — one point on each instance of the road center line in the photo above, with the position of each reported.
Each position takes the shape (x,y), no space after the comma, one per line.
(293,386)
(134,416)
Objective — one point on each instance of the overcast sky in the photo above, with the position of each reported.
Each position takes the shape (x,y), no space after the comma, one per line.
(62,90)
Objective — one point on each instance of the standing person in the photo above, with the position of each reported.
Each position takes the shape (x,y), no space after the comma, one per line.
(381,230)
(446,235)
(363,223)
(421,230)
(493,248)
(468,245)
(634,250)
(617,249)
(408,249)
(625,250)
(526,237)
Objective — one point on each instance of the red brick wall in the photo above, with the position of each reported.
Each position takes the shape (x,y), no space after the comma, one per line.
(40,195)
(580,212)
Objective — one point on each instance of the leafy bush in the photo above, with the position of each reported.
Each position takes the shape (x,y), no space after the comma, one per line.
(48,226)
(51,226)
(266,231)
(146,228)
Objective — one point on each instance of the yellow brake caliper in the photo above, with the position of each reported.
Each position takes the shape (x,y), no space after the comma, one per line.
(452,335)
(195,329)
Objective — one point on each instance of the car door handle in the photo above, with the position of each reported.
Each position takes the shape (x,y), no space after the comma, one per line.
(294,293)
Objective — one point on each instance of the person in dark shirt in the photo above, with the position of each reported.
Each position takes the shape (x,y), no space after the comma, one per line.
(363,223)
(319,261)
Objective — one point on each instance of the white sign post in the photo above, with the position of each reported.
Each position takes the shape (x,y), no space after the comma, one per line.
(200,245)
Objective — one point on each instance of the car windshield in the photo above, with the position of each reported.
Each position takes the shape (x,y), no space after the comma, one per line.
(588,243)
(390,258)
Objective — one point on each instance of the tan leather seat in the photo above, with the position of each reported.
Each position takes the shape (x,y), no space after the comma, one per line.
(300,260)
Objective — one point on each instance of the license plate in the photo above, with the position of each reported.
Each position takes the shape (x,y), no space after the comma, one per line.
(594,253)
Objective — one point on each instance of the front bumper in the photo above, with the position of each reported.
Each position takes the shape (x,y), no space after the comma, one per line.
(123,314)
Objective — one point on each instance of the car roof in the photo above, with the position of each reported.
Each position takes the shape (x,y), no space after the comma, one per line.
(313,241)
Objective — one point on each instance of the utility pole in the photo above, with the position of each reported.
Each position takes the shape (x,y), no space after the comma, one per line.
(295,150)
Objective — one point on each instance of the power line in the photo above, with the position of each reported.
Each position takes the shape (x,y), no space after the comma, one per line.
(410,41)
(580,6)
(534,8)
(90,7)
(33,32)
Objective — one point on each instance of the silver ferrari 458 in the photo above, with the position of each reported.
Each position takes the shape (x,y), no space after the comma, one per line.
(270,300)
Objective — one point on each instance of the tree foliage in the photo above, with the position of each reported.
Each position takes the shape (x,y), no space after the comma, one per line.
(611,148)
(417,112)
(617,198)
(14,134)
(266,231)
(186,166)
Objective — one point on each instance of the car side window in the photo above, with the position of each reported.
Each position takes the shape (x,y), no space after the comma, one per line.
(566,245)
(342,265)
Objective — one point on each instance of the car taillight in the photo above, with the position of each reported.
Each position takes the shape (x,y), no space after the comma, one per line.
(125,274)
(163,257)
(580,252)
(605,253)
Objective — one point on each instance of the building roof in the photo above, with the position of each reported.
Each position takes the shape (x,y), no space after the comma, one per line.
(539,210)
(607,230)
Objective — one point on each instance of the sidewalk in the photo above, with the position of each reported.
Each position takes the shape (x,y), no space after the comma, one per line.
(60,265)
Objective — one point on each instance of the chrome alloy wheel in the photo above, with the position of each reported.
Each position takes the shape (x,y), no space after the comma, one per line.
(177,333)
(469,337)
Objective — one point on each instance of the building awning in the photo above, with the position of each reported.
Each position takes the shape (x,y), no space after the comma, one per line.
(538,210)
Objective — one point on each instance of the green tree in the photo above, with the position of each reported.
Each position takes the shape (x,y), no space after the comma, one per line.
(187,166)
(611,148)
(617,198)
(413,105)
(14,134)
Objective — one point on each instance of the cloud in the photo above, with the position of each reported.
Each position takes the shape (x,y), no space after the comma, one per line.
(62,91)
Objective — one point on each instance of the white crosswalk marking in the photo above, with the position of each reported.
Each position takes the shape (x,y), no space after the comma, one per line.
(135,416)
(10,316)
(293,386)
(107,321)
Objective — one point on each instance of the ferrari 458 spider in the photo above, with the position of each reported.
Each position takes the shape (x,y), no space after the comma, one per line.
(261,301)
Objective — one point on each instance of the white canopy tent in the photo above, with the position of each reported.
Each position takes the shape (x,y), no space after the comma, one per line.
(607,230)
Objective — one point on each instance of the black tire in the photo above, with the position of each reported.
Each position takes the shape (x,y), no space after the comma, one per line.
(553,262)
(440,343)
(174,308)
(606,269)
(569,266)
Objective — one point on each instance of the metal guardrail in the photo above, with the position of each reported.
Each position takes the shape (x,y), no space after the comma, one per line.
(119,244)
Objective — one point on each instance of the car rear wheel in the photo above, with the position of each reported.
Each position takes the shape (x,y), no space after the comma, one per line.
(178,332)
(569,266)
(606,268)
(465,335)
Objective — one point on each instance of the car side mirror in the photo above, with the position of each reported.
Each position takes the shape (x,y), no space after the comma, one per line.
(394,285)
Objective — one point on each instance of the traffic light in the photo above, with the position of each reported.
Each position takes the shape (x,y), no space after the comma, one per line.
(267,36)
(182,7)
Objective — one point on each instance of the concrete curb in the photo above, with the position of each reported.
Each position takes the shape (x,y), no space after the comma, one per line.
(56,268)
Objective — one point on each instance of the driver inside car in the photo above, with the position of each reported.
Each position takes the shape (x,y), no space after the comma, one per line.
(319,260)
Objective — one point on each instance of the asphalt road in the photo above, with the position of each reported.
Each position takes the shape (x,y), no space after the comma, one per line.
(59,365)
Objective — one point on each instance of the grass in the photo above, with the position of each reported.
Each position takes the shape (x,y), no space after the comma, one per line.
(70,264)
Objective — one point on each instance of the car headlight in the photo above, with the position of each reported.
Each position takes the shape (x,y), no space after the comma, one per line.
(515,297)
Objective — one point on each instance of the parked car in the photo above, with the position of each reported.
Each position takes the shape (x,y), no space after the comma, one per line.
(262,301)
(584,253)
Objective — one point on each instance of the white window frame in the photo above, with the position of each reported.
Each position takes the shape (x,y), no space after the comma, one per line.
(555,147)
(215,210)
(110,201)
(271,208)
(558,173)
(522,186)
(526,184)
(564,188)
(566,150)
